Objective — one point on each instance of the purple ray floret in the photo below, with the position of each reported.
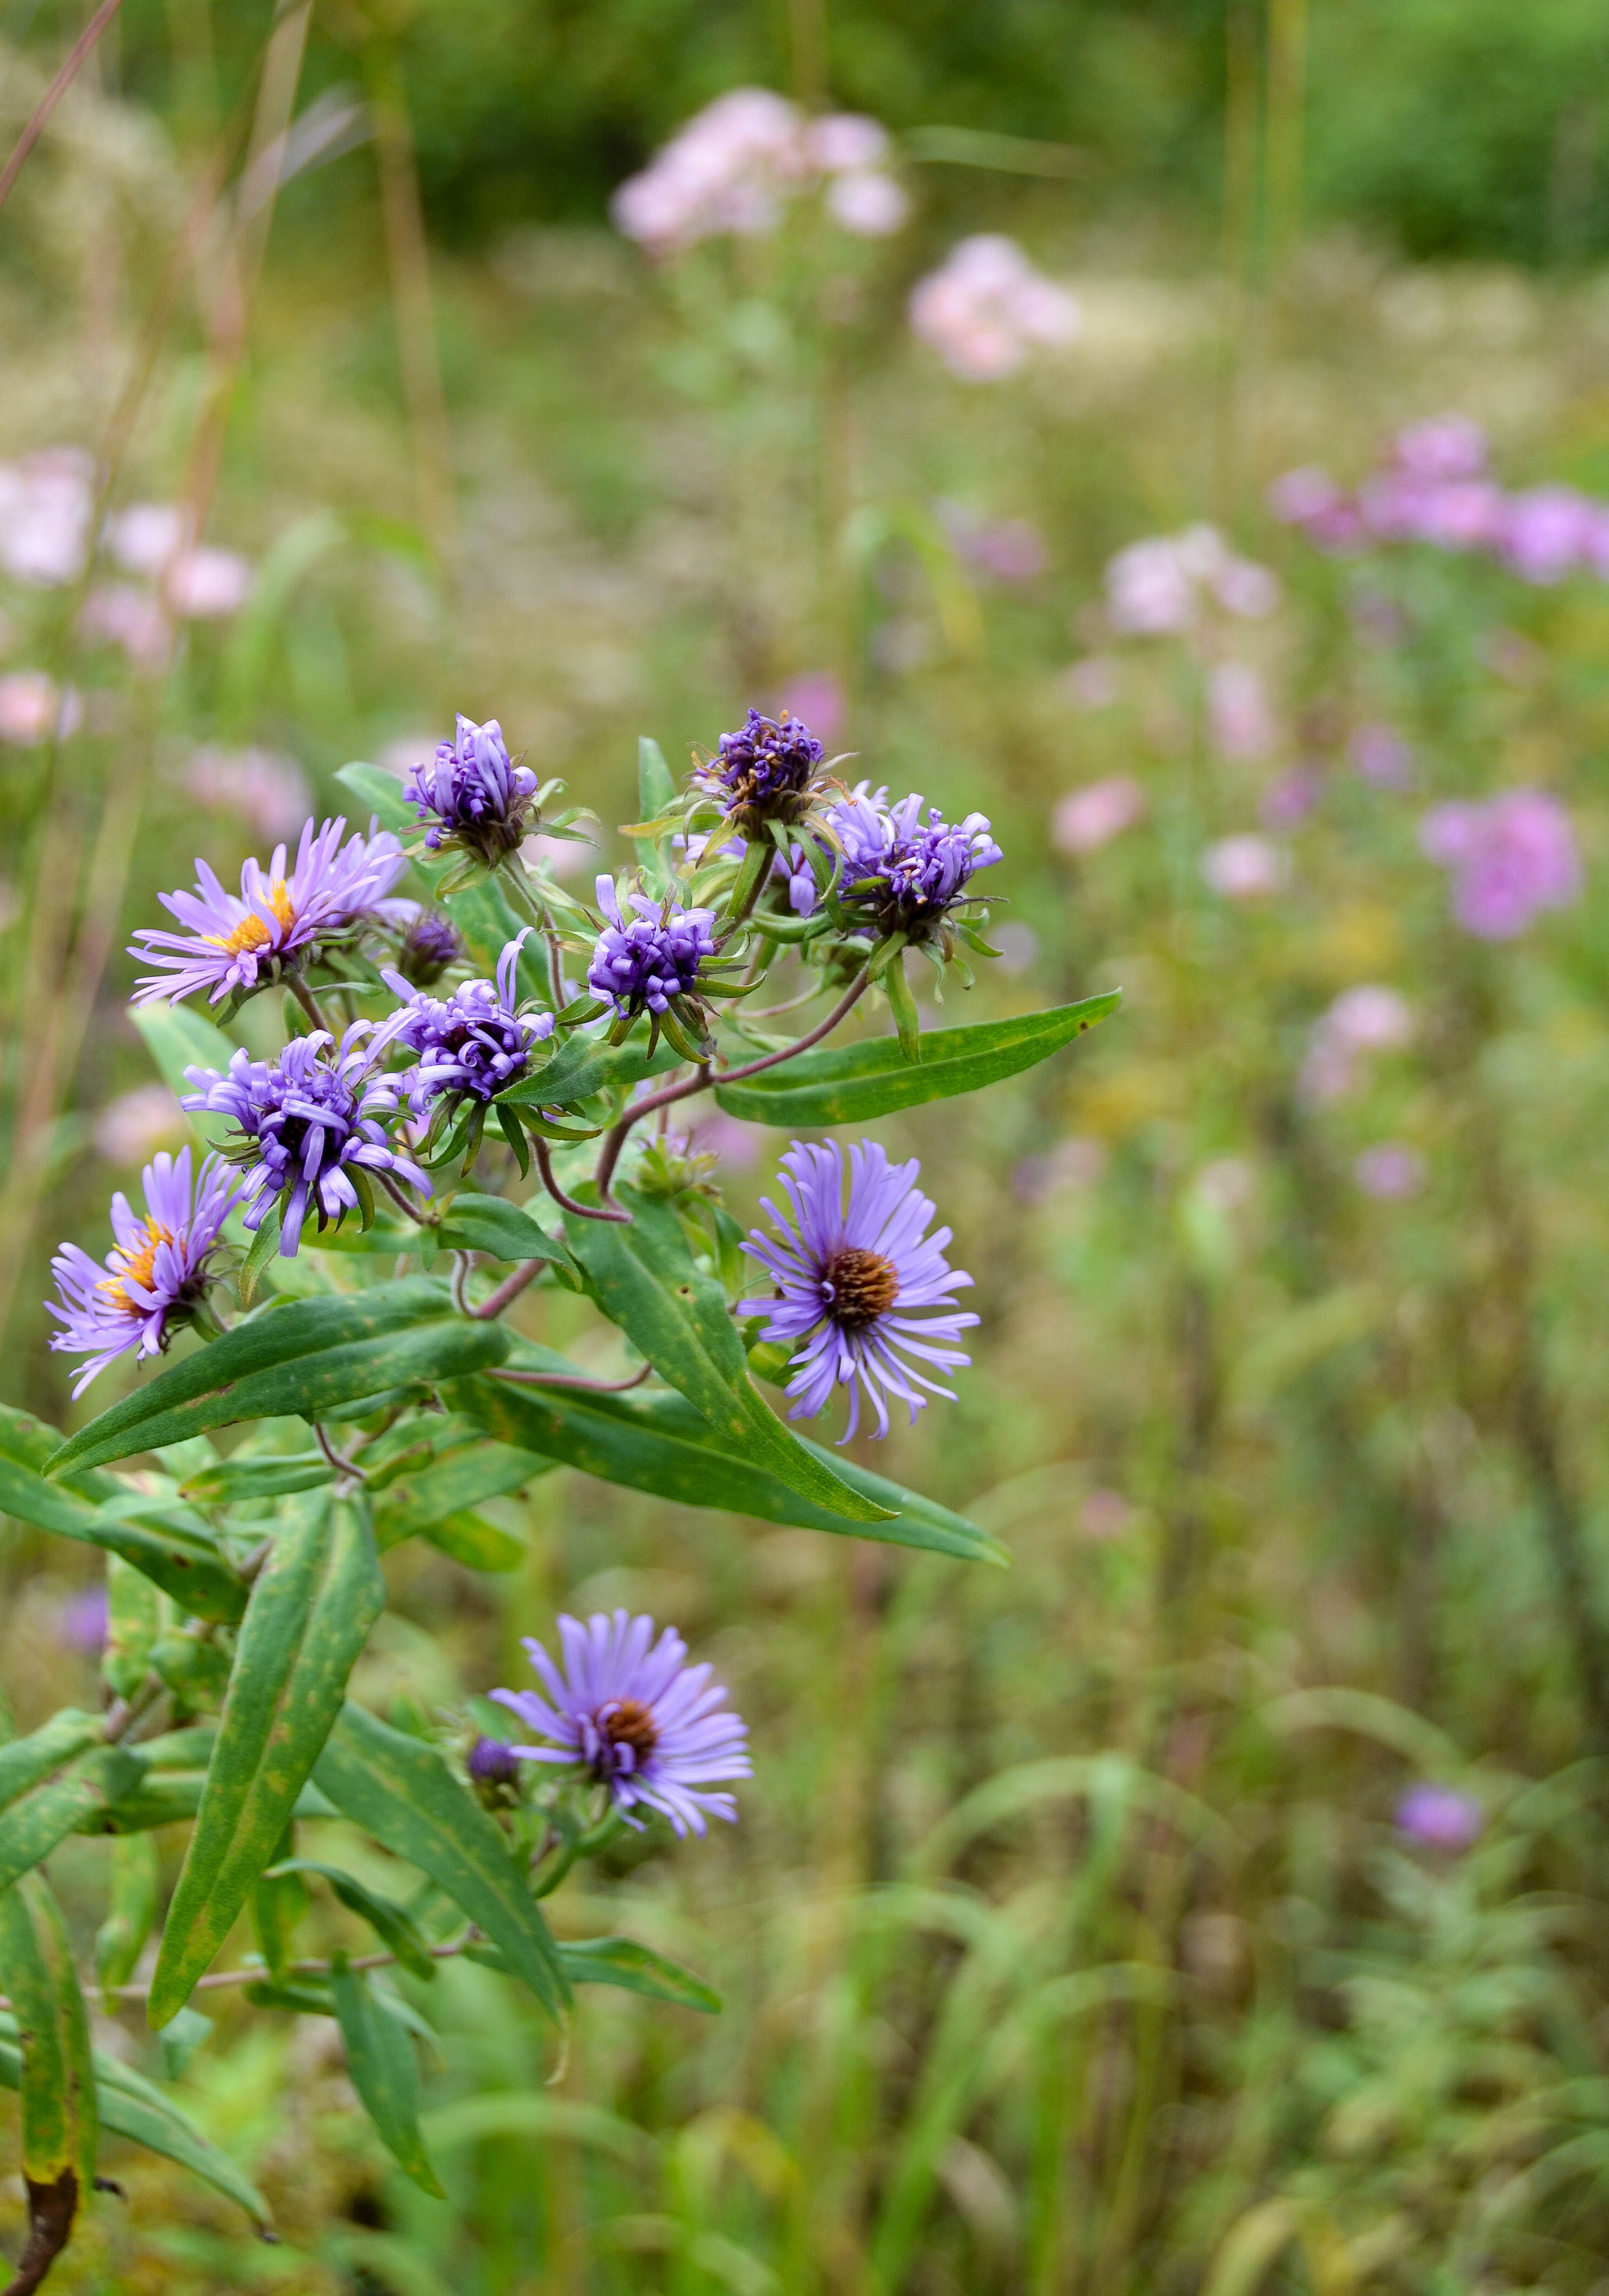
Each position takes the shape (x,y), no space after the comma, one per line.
(768,770)
(472,793)
(156,1277)
(848,1278)
(632,1715)
(903,872)
(656,955)
(279,918)
(306,1120)
(473,1041)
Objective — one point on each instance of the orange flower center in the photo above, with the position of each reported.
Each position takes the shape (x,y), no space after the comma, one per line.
(251,932)
(135,1265)
(632,1725)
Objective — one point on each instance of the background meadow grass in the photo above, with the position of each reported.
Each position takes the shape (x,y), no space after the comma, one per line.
(1068,1942)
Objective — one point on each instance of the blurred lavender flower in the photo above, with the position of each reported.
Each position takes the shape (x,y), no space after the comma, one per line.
(1291,799)
(1310,500)
(634,1717)
(1390,1171)
(848,1278)
(471,1043)
(902,873)
(1547,532)
(770,770)
(429,944)
(1381,755)
(279,920)
(137,1123)
(1510,857)
(818,697)
(81,1621)
(1244,868)
(472,793)
(144,538)
(157,1277)
(1442,446)
(641,965)
(987,309)
(307,1121)
(1088,818)
(1440,1818)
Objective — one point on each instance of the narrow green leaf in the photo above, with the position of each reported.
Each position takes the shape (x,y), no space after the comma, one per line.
(229,1480)
(133,1617)
(379,2058)
(265,1243)
(585,1065)
(852,1083)
(637,1969)
(24,1761)
(178,1039)
(278,1900)
(902,1005)
(57,2077)
(30,1829)
(659,1443)
(302,1357)
(656,783)
(476,1543)
(401,1792)
(447,1485)
(492,1224)
(391,1922)
(135,2108)
(173,1799)
(309,1617)
(131,1915)
(644,1278)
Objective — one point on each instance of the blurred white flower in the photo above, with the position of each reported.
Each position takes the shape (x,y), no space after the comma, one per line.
(1368,1019)
(846,143)
(986,308)
(45,501)
(1244,868)
(123,616)
(145,535)
(204,584)
(870,205)
(265,787)
(1159,587)
(1089,817)
(562,856)
(132,1127)
(1238,713)
(31,709)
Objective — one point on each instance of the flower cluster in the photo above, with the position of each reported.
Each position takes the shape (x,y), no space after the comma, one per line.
(470,1044)
(987,309)
(629,1714)
(770,770)
(1510,857)
(472,793)
(849,1276)
(1436,486)
(1163,585)
(642,965)
(903,874)
(734,167)
(157,1277)
(309,1126)
(281,919)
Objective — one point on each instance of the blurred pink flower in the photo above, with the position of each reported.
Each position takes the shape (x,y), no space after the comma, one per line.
(1440,1818)
(735,165)
(846,143)
(1076,1162)
(562,856)
(1244,868)
(1009,549)
(1089,817)
(1291,799)
(1444,446)
(987,309)
(1238,713)
(1310,500)
(870,205)
(123,616)
(1390,1171)
(131,1128)
(1381,755)
(1158,586)
(1510,857)
(1547,532)
(1090,684)
(737,1145)
(31,709)
(145,535)
(818,697)
(265,787)
(1104,1514)
(204,584)
(45,501)
(1369,1019)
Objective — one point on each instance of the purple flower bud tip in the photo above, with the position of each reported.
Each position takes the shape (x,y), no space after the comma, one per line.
(491,1763)
(1440,1818)
(472,794)
(768,770)
(642,965)
(902,873)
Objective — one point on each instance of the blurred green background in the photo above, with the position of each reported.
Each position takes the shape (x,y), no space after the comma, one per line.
(1070,1940)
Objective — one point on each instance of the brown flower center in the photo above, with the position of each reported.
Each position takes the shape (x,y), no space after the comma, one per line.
(631,1724)
(859,1286)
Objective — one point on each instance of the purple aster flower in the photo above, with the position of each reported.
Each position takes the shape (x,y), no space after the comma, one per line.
(768,770)
(1509,858)
(902,873)
(429,944)
(156,1278)
(643,963)
(1440,1818)
(304,1119)
(848,1278)
(471,1042)
(473,794)
(279,920)
(635,1719)
(493,1771)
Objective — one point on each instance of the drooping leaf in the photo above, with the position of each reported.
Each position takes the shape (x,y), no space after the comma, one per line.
(302,1357)
(637,1969)
(659,1443)
(25,1761)
(30,1829)
(645,1279)
(182,1562)
(57,2080)
(379,2058)
(445,1486)
(852,1083)
(492,1224)
(391,1922)
(401,1791)
(131,1913)
(309,1617)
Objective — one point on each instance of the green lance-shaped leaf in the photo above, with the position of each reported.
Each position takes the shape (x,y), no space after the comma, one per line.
(584,1065)
(379,2058)
(179,1560)
(391,1922)
(230,1480)
(447,1486)
(131,1915)
(852,1083)
(279,1898)
(310,1614)
(57,2080)
(303,1357)
(659,1443)
(644,1278)
(25,1761)
(176,1039)
(132,2106)
(476,1543)
(133,1617)
(637,1969)
(78,1796)
(401,1791)
(501,1230)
